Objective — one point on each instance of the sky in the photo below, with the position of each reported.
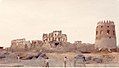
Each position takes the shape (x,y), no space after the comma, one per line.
(77,18)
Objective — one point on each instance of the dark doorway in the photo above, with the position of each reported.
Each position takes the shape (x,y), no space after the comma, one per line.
(56,44)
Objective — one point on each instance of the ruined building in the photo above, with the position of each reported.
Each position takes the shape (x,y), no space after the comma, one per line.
(36,43)
(105,35)
(55,38)
(20,44)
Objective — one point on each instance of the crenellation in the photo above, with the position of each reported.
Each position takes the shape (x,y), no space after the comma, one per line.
(105,22)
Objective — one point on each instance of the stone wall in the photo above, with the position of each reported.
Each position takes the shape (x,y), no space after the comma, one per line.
(20,44)
(54,36)
(36,44)
(105,35)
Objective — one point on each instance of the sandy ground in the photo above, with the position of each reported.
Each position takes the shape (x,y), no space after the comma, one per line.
(56,60)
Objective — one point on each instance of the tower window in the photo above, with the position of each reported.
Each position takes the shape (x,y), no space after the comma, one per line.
(101,32)
(108,31)
(113,32)
(109,37)
(96,37)
(101,26)
(96,32)
(107,26)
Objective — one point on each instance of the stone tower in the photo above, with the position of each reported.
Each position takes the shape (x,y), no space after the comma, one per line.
(105,35)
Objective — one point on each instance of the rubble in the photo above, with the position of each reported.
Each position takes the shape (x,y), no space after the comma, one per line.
(20,44)
(107,58)
(36,44)
(86,48)
(97,60)
(33,55)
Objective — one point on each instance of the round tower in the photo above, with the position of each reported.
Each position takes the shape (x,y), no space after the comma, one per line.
(105,35)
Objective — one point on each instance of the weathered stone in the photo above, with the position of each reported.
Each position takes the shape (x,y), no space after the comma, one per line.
(36,44)
(38,54)
(54,36)
(86,48)
(105,35)
(2,56)
(97,60)
(27,57)
(55,44)
(20,45)
(80,58)
(43,55)
(33,55)
(107,58)
(88,58)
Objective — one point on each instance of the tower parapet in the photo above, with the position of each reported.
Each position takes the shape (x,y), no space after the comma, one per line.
(105,22)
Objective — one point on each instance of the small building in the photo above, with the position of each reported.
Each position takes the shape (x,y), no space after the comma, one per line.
(20,44)
(36,43)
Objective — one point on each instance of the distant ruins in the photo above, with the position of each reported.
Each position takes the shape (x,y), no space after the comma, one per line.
(19,44)
(54,39)
(105,40)
(105,35)
(54,36)
(22,44)
(36,43)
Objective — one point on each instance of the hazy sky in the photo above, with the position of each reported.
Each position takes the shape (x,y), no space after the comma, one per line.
(77,18)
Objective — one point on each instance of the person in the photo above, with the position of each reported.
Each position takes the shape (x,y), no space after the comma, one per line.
(47,62)
(65,61)
(74,61)
(84,60)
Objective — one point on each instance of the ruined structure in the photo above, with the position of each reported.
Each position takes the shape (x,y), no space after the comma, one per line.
(20,44)
(105,35)
(55,36)
(36,43)
(77,42)
(83,47)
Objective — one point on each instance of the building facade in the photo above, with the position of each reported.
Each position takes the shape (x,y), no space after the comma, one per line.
(36,43)
(54,36)
(105,35)
(20,44)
